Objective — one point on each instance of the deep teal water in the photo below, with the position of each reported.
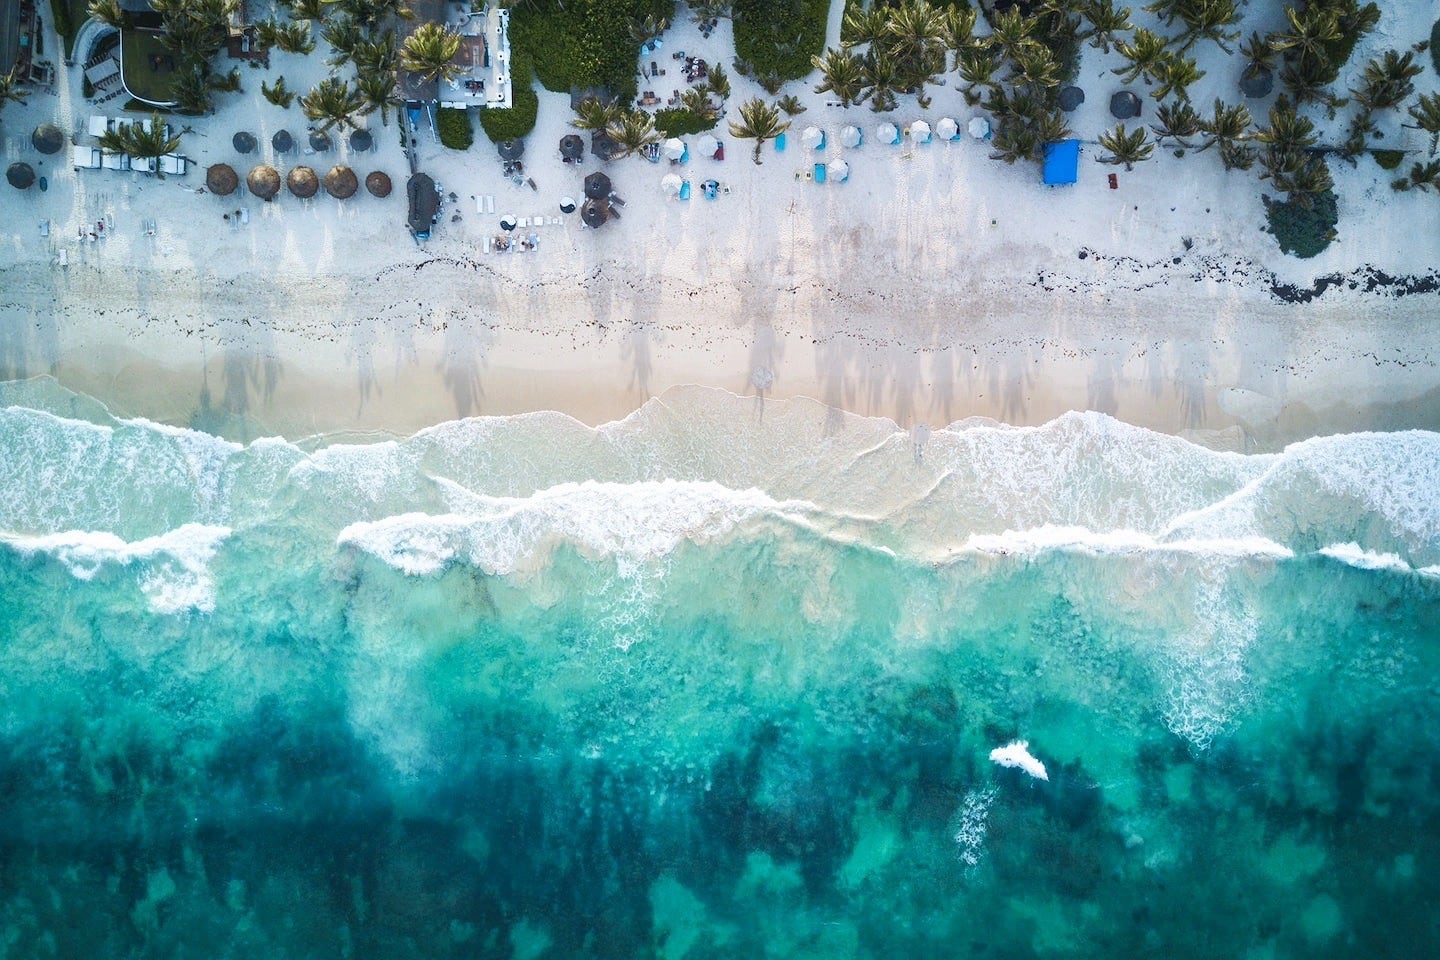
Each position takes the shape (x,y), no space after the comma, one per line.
(714,682)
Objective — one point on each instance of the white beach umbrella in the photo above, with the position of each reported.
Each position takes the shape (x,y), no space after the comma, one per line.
(850,136)
(670,183)
(707,145)
(887,132)
(674,148)
(839,170)
(920,131)
(979,128)
(946,128)
(813,138)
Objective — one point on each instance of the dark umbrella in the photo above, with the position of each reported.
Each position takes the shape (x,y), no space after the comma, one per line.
(263,181)
(283,142)
(567,205)
(1257,81)
(48,138)
(511,149)
(378,183)
(319,141)
(595,213)
(572,147)
(597,186)
(244,142)
(1070,98)
(603,145)
(341,182)
(221,179)
(20,175)
(303,182)
(1124,105)
(424,203)
(361,140)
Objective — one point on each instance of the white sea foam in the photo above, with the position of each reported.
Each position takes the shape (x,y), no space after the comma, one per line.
(1049,538)
(1017,754)
(1356,556)
(971,825)
(501,534)
(173,568)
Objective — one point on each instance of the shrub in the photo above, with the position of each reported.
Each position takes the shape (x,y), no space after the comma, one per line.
(516,121)
(583,43)
(1388,159)
(1303,231)
(1435,46)
(775,39)
(679,122)
(454,128)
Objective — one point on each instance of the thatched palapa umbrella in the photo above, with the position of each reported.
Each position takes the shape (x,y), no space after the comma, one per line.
(263,181)
(341,182)
(283,142)
(303,182)
(221,179)
(572,147)
(48,138)
(597,186)
(595,213)
(378,183)
(243,142)
(20,175)
(1124,105)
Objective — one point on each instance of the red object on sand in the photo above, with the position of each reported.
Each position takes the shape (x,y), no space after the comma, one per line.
(720,152)
(1114,181)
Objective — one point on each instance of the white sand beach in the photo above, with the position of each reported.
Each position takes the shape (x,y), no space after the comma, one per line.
(936,284)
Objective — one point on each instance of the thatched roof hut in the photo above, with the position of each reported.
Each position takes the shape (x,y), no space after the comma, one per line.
(511,149)
(221,179)
(424,204)
(378,183)
(263,181)
(597,186)
(595,212)
(20,175)
(48,138)
(572,147)
(303,182)
(341,182)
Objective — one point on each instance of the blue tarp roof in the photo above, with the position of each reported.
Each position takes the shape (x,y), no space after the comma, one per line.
(1062,162)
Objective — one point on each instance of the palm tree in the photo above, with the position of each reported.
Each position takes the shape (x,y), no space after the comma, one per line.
(1423,176)
(759,122)
(1128,148)
(279,94)
(790,105)
(313,10)
(697,101)
(9,91)
(882,81)
(1258,51)
(332,102)
(958,30)
(343,35)
(1426,114)
(632,131)
(376,56)
(977,69)
(1208,20)
(110,13)
(1227,127)
(1288,131)
(1175,75)
(719,82)
(190,89)
(142,141)
(377,91)
(1387,81)
(1013,140)
(861,26)
(295,38)
(1309,32)
(1105,23)
(594,114)
(1036,67)
(643,31)
(914,35)
(703,10)
(842,75)
(1012,31)
(1308,81)
(1176,121)
(1146,56)
(430,51)
(371,13)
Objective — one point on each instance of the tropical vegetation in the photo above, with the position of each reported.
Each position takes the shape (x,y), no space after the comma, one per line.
(759,121)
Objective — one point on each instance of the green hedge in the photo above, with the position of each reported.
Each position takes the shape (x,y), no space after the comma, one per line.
(583,43)
(455,129)
(777,38)
(517,121)
(1303,231)
(1388,159)
(679,122)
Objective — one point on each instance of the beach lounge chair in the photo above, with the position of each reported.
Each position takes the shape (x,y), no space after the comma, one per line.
(819,173)
(780,143)
(720,150)
(684,190)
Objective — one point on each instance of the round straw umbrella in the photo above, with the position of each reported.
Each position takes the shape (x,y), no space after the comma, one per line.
(341,182)
(283,142)
(221,179)
(48,138)
(595,213)
(263,181)
(378,183)
(243,142)
(597,186)
(20,175)
(303,182)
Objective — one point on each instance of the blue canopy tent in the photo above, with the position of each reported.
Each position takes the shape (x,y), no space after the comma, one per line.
(1062,162)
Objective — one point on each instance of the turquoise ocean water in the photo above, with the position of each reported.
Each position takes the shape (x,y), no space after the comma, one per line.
(720,681)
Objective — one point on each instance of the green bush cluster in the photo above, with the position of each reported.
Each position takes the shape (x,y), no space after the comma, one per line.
(1435,46)
(1303,231)
(517,120)
(583,43)
(455,129)
(1388,159)
(775,39)
(679,122)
